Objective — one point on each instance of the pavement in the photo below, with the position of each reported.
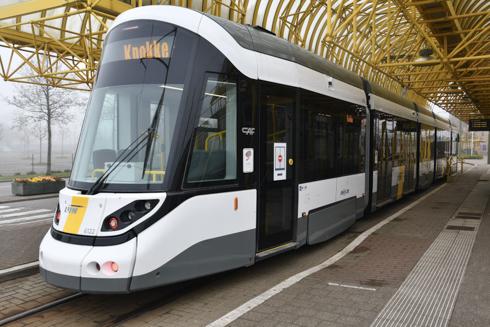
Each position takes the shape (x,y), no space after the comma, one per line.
(354,291)
(23,222)
(22,227)
(6,195)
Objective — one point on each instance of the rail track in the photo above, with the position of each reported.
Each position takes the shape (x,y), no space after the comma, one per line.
(35,310)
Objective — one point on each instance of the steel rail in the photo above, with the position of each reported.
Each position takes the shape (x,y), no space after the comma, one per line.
(33,311)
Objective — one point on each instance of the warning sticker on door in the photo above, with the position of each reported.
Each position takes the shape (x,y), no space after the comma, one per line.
(280,161)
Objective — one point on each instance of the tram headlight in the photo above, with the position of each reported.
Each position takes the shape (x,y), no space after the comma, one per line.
(114,266)
(127,215)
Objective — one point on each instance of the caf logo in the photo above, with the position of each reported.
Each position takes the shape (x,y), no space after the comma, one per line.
(248,130)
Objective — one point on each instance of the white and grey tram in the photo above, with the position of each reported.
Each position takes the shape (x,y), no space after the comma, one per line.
(209,145)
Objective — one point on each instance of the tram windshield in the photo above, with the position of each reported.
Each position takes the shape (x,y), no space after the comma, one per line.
(142,69)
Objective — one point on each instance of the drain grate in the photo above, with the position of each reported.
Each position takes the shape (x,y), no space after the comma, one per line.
(469,215)
(374,282)
(466,228)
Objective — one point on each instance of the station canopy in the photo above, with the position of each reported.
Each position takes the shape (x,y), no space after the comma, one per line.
(430,50)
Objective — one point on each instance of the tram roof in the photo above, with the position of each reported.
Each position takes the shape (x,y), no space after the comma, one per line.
(384,93)
(266,42)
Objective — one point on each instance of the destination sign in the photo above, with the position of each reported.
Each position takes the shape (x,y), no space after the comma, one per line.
(147,50)
(138,48)
(477,125)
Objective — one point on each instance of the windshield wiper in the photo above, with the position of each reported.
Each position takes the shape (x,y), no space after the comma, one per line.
(152,131)
(126,155)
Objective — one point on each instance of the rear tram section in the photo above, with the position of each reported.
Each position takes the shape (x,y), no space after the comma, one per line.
(210,145)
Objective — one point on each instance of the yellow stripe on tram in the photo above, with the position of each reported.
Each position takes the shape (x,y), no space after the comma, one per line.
(401,180)
(75,217)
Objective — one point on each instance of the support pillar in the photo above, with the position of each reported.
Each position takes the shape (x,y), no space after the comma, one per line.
(488,148)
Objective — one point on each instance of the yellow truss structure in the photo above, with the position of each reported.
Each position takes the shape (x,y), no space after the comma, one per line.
(431,50)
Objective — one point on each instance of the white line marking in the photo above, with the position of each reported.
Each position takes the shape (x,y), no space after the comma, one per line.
(19,267)
(3,207)
(11,221)
(34,221)
(24,213)
(353,286)
(10,210)
(261,298)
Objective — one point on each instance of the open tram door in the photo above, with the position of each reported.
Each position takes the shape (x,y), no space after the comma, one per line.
(276,222)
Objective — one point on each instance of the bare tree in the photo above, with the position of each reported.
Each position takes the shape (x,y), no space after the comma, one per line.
(30,128)
(41,103)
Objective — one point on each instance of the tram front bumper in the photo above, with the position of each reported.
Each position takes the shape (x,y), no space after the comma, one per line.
(89,269)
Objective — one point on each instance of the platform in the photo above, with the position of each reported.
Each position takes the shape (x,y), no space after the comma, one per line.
(422,261)
(427,267)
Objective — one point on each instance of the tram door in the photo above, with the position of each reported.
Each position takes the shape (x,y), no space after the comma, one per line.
(385,158)
(277,181)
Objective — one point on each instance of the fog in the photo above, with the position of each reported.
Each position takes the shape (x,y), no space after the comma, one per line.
(19,145)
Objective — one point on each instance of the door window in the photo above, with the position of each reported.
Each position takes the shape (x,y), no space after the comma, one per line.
(214,153)
(276,219)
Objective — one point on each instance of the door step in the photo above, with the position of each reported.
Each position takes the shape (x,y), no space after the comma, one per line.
(382,204)
(277,250)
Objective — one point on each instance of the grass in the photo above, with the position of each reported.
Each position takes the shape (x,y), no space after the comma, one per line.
(471,156)
(62,174)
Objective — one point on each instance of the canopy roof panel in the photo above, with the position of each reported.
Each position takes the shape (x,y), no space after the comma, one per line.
(429,50)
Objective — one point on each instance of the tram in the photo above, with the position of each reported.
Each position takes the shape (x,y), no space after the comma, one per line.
(209,145)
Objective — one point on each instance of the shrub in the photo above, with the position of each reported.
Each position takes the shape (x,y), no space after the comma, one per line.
(471,156)
(38,179)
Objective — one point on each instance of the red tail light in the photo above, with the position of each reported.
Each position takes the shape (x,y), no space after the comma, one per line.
(113,223)
(57,216)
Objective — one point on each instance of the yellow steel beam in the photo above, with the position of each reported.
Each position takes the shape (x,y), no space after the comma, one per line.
(378,39)
(110,7)
(455,17)
(428,62)
(30,7)
(25,39)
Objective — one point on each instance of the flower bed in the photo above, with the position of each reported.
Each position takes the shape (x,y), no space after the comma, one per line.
(37,185)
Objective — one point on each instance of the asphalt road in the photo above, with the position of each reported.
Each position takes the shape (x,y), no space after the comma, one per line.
(5,188)
(22,227)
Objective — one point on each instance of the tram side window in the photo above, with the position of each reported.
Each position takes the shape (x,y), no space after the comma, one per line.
(441,144)
(426,143)
(319,138)
(455,142)
(213,155)
(333,137)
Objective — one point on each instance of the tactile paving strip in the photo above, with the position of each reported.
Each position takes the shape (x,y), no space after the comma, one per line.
(427,296)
